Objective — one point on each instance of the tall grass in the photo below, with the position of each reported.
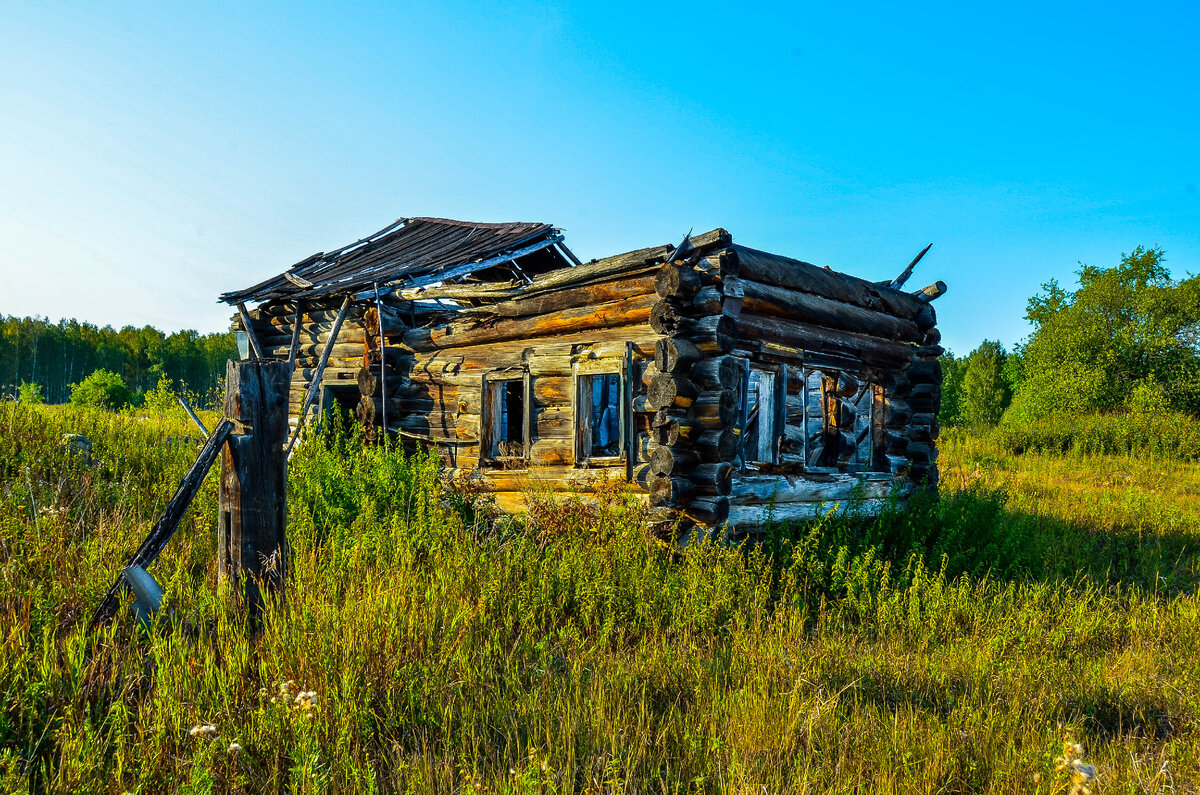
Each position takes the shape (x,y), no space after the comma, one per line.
(1169,435)
(948,648)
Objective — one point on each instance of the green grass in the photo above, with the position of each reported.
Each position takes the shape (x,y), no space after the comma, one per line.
(946,649)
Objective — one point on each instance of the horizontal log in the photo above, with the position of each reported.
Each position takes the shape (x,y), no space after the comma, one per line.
(717,446)
(674,356)
(672,461)
(931,292)
(719,265)
(713,334)
(567,298)
(707,510)
(667,491)
(719,372)
(716,408)
(552,390)
(762,489)
(752,517)
(554,423)
(671,430)
(871,350)
(713,479)
(315,350)
(708,301)
(770,299)
(676,282)
(794,274)
(670,392)
(558,478)
(552,452)
(616,313)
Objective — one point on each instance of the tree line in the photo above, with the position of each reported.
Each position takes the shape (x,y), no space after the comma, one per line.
(1127,339)
(54,356)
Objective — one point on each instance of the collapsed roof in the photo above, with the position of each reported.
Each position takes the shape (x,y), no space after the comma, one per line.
(414,252)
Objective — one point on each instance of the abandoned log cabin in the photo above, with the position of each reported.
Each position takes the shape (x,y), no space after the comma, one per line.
(725,385)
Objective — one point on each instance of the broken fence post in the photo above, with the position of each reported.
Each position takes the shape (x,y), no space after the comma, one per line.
(251,546)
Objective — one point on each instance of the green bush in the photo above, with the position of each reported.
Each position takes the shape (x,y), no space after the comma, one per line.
(1167,435)
(102,389)
(31,394)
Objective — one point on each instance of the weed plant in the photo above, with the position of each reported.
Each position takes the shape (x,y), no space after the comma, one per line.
(426,645)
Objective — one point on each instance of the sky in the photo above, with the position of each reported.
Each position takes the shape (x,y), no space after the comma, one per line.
(154,155)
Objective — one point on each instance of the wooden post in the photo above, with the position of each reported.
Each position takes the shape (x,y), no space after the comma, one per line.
(253,507)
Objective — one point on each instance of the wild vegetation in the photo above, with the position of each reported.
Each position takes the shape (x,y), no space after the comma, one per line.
(1127,341)
(52,357)
(425,646)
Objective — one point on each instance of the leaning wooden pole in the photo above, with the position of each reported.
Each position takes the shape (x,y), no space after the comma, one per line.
(316,380)
(251,546)
(164,528)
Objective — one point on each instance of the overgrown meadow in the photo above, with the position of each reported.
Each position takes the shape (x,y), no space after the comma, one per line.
(425,646)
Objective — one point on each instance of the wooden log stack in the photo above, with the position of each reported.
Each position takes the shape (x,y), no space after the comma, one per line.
(694,392)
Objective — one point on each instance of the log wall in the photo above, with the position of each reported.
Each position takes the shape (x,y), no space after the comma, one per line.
(849,384)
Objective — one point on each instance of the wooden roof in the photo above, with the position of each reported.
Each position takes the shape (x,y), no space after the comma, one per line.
(410,252)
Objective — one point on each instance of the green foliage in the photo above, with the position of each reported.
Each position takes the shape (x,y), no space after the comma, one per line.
(933,649)
(1126,327)
(30,394)
(54,355)
(1153,433)
(985,392)
(162,399)
(953,372)
(102,389)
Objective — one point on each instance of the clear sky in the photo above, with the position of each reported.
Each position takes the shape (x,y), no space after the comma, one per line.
(153,155)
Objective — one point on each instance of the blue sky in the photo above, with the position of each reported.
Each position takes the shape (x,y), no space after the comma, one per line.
(152,157)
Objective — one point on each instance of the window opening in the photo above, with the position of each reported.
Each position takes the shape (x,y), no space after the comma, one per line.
(600,424)
(507,435)
(759,417)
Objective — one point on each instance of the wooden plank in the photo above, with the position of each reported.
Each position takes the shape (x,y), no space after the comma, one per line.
(252,506)
(316,380)
(166,525)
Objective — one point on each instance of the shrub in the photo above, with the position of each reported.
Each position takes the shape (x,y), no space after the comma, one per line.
(102,389)
(31,394)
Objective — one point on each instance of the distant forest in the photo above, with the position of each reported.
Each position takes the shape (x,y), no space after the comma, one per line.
(56,355)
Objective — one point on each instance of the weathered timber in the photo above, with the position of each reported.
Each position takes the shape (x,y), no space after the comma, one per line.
(676,282)
(552,390)
(708,301)
(782,302)
(713,479)
(251,548)
(671,430)
(931,292)
(166,525)
(674,356)
(670,391)
(767,268)
(722,264)
(752,517)
(616,313)
(668,491)
(588,295)
(713,334)
(761,489)
(715,408)
(719,372)
(672,461)
(707,510)
(717,446)
(868,349)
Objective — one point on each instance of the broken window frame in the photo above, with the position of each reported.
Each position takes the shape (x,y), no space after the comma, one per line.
(773,409)
(490,421)
(582,406)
